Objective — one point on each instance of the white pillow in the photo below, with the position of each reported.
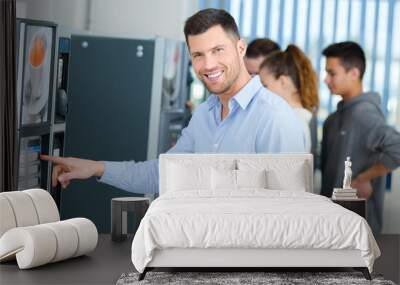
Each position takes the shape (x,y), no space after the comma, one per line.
(235,179)
(182,177)
(251,178)
(223,179)
(281,174)
(188,174)
(293,180)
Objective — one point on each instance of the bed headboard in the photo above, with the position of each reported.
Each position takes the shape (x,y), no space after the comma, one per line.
(289,170)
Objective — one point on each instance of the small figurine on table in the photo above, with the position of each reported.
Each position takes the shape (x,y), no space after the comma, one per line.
(347,174)
(346,192)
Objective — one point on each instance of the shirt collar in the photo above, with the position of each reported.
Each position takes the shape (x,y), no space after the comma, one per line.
(243,97)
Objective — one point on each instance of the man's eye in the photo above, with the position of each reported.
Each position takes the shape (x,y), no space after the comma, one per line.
(220,49)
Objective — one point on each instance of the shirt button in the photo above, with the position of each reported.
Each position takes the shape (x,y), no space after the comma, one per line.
(215,145)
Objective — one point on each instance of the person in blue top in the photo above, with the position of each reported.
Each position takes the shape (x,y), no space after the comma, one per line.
(240,115)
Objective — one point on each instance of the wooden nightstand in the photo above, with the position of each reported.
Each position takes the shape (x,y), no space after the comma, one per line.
(358,206)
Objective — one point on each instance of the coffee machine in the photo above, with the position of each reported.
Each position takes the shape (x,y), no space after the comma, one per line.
(126,100)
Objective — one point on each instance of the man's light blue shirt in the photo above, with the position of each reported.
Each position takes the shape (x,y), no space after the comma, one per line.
(258,122)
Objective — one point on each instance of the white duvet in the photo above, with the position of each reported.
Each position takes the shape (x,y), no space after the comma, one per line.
(250,219)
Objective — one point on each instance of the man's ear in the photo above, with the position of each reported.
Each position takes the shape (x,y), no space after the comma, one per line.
(354,73)
(241,47)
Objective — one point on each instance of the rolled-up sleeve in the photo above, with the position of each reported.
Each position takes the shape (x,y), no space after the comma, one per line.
(137,177)
(385,141)
(380,138)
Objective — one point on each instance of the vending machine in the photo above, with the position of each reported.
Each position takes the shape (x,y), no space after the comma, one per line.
(36,76)
(126,98)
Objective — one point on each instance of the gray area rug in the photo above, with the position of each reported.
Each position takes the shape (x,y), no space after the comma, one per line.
(228,278)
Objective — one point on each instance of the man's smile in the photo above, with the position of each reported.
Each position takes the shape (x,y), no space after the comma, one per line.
(214,76)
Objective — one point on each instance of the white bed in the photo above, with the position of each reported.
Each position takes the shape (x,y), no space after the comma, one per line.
(247,210)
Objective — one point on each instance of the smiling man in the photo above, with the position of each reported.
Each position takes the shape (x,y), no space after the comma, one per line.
(240,115)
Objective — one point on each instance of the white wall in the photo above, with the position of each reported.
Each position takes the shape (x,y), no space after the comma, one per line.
(140,18)
(125,18)
(71,14)
(21,8)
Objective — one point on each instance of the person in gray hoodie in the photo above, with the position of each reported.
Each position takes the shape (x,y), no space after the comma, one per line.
(356,129)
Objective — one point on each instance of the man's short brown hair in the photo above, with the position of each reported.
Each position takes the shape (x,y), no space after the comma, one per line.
(261,47)
(205,19)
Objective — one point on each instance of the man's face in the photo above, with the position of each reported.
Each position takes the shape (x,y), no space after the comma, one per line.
(253,64)
(338,79)
(217,58)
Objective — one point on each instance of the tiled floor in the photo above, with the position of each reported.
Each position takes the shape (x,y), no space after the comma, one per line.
(110,260)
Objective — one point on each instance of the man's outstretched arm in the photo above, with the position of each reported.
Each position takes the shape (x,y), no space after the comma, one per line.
(137,177)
